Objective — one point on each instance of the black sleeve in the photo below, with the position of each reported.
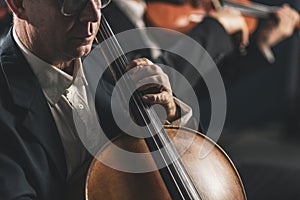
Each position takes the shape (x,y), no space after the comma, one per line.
(213,38)
(14,184)
(236,65)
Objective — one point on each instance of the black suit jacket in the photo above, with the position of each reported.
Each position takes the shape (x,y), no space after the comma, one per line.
(32,163)
(32,159)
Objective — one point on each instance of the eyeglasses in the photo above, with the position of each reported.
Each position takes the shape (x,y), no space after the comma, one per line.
(74,7)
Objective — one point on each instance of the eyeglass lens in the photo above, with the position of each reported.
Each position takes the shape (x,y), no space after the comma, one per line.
(72,7)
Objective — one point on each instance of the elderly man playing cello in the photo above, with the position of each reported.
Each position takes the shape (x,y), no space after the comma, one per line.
(42,82)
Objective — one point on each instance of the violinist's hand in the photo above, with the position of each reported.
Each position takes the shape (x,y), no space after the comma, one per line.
(143,71)
(274,31)
(233,22)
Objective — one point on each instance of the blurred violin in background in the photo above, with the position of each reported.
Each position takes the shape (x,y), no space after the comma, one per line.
(5,19)
(179,17)
(183,17)
(3,9)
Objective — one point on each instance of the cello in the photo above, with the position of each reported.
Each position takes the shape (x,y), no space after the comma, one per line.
(185,175)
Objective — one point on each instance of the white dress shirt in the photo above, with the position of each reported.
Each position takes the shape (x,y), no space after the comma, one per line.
(68,100)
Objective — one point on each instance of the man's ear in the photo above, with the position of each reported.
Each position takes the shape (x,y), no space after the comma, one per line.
(17,8)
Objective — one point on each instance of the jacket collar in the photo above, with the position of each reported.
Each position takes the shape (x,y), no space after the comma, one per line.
(27,93)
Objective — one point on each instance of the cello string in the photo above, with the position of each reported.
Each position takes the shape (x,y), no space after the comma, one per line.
(170,151)
(157,146)
(124,63)
(123,59)
(106,32)
(117,50)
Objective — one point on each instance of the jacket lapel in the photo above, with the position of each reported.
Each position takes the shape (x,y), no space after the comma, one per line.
(26,93)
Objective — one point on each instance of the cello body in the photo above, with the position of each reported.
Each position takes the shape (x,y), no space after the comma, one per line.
(214,175)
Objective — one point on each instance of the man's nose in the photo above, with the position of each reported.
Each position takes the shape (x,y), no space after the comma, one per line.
(90,13)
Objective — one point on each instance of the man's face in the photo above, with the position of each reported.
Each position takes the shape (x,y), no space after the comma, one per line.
(55,37)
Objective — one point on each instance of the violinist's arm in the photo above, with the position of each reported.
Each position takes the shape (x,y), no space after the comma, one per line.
(274,31)
(233,22)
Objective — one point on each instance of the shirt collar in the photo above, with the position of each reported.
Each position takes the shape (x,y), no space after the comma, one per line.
(53,81)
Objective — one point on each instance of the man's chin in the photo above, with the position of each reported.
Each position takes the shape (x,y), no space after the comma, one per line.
(82,51)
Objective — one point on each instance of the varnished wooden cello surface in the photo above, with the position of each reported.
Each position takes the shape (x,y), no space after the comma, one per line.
(214,175)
